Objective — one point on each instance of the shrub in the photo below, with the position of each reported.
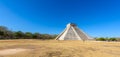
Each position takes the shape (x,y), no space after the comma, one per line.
(101,39)
(112,39)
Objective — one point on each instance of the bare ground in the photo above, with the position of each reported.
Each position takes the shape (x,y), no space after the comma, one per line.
(11,51)
(52,48)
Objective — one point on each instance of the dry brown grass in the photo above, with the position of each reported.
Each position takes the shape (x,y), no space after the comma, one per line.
(53,48)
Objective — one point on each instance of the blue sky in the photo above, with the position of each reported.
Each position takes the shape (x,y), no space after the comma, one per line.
(98,18)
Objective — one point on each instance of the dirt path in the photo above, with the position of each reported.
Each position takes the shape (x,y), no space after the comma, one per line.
(11,51)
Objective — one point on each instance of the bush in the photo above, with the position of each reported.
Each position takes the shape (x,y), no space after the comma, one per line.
(106,39)
(118,39)
(100,39)
(112,39)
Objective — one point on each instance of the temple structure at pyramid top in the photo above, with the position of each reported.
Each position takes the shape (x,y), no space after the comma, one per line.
(72,32)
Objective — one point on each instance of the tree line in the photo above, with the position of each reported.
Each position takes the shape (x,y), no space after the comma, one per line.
(107,39)
(5,33)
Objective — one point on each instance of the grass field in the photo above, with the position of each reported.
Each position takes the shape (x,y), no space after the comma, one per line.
(53,48)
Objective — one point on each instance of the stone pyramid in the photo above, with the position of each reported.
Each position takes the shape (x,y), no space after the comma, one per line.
(72,32)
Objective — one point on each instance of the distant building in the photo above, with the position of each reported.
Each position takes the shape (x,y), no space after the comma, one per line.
(72,32)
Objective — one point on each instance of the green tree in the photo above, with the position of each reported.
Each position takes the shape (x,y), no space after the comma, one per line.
(101,39)
(5,33)
(112,39)
(48,36)
(118,39)
(37,36)
(18,34)
(28,35)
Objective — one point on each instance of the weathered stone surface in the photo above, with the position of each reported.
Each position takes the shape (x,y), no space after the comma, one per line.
(72,32)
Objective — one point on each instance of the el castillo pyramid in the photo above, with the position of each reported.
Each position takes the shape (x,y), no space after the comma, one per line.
(72,32)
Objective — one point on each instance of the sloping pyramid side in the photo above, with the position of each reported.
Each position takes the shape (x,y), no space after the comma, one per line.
(82,34)
(69,34)
(72,33)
